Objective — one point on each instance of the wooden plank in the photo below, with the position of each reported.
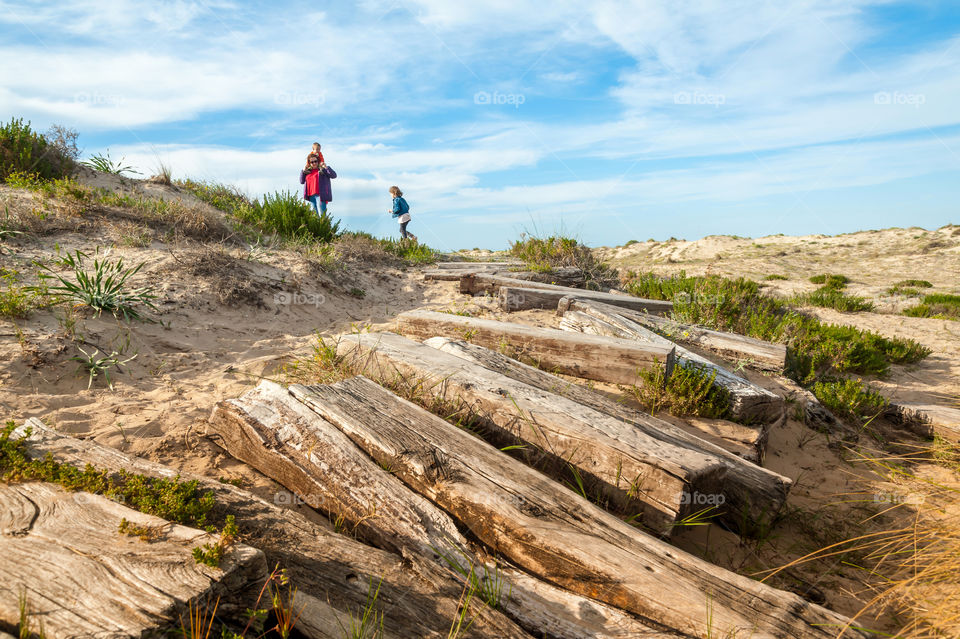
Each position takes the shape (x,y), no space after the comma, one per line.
(518,298)
(556,534)
(490,283)
(637,466)
(295,446)
(928,420)
(743,441)
(566,276)
(82,577)
(748,402)
(332,572)
(752,352)
(496,266)
(718,441)
(603,359)
(438,275)
(269,430)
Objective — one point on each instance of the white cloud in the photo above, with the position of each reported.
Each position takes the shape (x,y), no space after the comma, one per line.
(740,100)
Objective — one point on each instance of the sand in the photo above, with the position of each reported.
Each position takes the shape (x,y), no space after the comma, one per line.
(230,314)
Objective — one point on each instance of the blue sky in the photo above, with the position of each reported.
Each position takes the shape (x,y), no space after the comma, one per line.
(610,120)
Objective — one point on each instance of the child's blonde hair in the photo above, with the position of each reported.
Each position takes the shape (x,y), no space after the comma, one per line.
(396,191)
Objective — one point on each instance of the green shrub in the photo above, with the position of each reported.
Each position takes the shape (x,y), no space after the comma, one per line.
(833,297)
(831,281)
(914,283)
(26,151)
(938,306)
(544,254)
(903,290)
(171,499)
(220,196)
(363,245)
(850,399)
(689,392)
(817,350)
(548,253)
(774,276)
(16,301)
(288,215)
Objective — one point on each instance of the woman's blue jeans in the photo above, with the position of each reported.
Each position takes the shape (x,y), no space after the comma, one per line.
(318,205)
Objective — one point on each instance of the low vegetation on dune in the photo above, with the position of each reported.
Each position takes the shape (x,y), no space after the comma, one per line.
(51,196)
(915,567)
(936,305)
(819,351)
(831,295)
(908,287)
(23,150)
(62,203)
(543,254)
(907,571)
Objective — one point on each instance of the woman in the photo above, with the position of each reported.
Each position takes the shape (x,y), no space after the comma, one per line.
(315,178)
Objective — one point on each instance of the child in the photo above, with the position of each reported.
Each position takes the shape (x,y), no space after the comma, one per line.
(315,150)
(401,211)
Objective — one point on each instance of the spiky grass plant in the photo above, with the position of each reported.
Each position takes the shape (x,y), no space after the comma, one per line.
(105,288)
(95,364)
(104,164)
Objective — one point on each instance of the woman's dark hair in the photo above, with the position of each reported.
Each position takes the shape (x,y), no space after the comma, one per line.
(396,191)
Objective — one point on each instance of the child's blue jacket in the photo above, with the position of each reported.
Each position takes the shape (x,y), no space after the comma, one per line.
(400,206)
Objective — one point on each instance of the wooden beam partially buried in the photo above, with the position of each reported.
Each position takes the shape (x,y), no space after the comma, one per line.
(556,534)
(605,359)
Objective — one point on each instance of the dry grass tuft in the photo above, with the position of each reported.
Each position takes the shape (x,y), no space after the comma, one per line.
(909,572)
(228,279)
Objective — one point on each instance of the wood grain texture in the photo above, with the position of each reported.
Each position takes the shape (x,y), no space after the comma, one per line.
(741,441)
(444,275)
(302,451)
(82,577)
(751,352)
(638,465)
(748,402)
(496,266)
(333,573)
(519,297)
(928,420)
(271,431)
(556,534)
(768,489)
(605,359)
